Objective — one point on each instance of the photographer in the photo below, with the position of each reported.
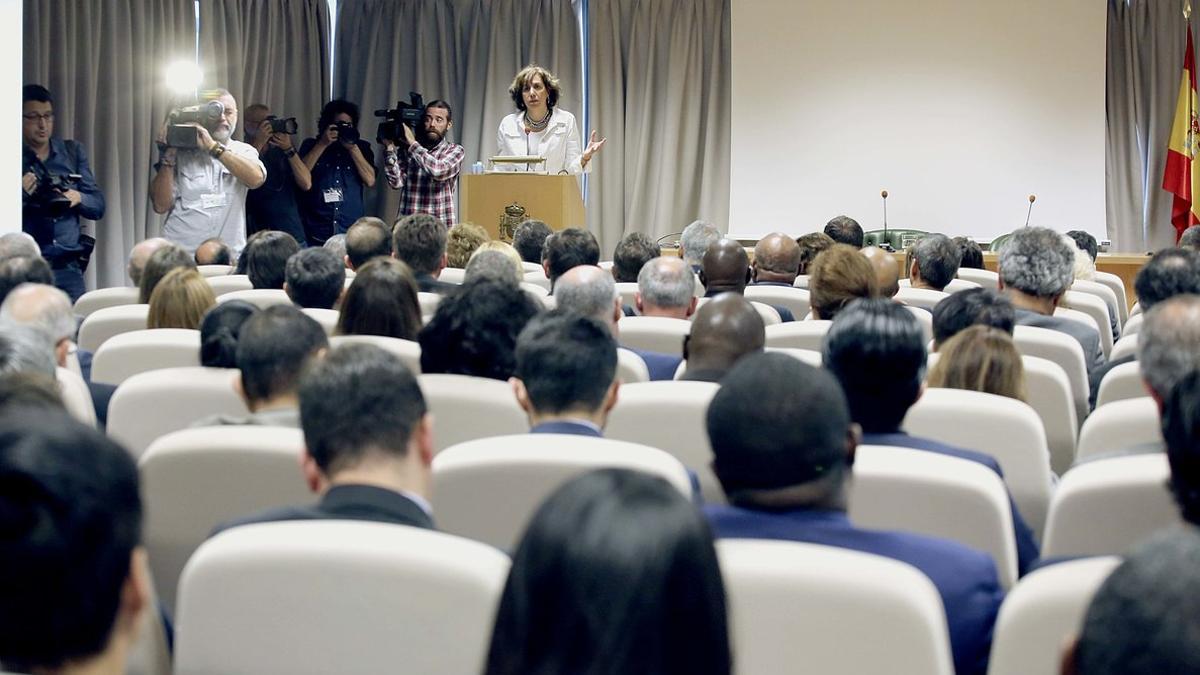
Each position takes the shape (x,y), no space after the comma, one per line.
(202,189)
(425,168)
(58,187)
(342,164)
(273,205)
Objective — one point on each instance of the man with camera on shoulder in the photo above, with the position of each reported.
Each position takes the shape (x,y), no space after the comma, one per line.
(203,174)
(273,205)
(424,165)
(342,166)
(58,187)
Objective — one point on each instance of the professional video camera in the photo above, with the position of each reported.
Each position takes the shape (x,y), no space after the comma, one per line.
(282,125)
(180,135)
(48,197)
(409,113)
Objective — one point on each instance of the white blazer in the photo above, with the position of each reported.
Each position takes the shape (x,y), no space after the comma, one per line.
(559,143)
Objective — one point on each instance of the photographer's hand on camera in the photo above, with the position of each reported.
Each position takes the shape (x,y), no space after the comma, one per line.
(29,183)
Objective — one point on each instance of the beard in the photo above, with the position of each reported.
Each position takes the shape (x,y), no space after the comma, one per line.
(430,137)
(221,134)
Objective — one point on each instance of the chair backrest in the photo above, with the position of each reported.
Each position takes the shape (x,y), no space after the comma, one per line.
(669,416)
(489,488)
(960,285)
(1044,611)
(102,324)
(76,396)
(794,299)
(1048,392)
(1135,310)
(328,318)
(809,356)
(409,351)
(627,290)
(229,283)
(195,479)
(452,275)
(429,303)
(920,297)
(1007,429)
(261,298)
(1095,308)
(538,278)
(1121,383)
(1106,506)
(654,333)
(466,408)
(798,334)
(1118,426)
(533,267)
(534,289)
(985,278)
(1062,349)
(337,597)
(801,281)
(924,317)
(1115,284)
(1125,347)
(807,608)
(1133,325)
(631,368)
(960,500)
(127,354)
(214,270)
(157,402)
(1106,293)
(105,297)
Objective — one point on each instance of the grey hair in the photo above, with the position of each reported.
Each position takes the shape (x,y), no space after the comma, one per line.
(337,244)
(492,264)
(666,282)
(18,245)
(25,349)
(695,240)
(1166,349)
(53,313)
(938,258)
(1038,262)
(593,299)
(1190,237)
(1083,267)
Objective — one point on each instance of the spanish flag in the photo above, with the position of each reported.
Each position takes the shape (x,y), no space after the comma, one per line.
(1181,177)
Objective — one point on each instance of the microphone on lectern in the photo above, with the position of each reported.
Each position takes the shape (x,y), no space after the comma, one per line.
(1032,199)
(885,244)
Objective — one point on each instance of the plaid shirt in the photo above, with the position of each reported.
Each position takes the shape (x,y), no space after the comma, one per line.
(427,179)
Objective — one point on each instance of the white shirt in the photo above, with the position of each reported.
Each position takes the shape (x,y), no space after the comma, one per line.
(559,143)
(209,201)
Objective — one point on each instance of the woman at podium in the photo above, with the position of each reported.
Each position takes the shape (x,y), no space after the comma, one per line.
(540,129)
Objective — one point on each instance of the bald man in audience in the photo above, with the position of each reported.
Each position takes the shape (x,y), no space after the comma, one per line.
(140,254)
(666,288)
(369,237)
(887,270)
(213,251)
(725,329)
(725,268)
(776,261)
(18,244)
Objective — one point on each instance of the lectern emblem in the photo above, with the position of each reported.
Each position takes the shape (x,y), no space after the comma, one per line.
(514,215)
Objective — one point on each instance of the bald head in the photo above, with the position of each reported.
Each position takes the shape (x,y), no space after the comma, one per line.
(590,291)
(776,258)
(45,308)
(140,253)
(213,252)
(724,330)
(725,267)
(18,244)
(887,270)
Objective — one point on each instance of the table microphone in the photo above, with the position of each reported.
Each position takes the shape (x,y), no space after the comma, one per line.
(885,244)
(1032,199)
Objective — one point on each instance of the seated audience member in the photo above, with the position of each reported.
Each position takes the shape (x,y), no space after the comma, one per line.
(935,262)
(566,249)
(419,241)
(1190,238)
(565,376)
(811,245)
(975,306)
(180,300)
(970,254)
(474,332)
(495,260)
(725,268)
(368,442)
(25,349)
(667,288)
(845,230)
(19,270)
(776,261)
(1084,267)
(140,254)
(838,276)
(1036,269)
(694,242)
(980,359)
(1181,431)
(876,350)
(784,467)
(266,255)
(164,259)
(725,329)
(1085,242)
(529,238)
(382,300)
(336,244)
(462,240)
(219,331)
(887,270)
(669,618)
(30,390)
(368,238)
(313,277)
(18,245)
(213,251)
(632,253)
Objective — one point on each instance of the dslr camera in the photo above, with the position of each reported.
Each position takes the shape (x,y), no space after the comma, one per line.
(48,197)
(406,112)
(282,125)
(205,114)
(347,133)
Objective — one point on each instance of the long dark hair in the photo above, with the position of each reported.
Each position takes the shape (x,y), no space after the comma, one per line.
(382,300)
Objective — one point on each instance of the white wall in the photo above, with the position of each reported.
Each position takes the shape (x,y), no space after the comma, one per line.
(10,100)
(959,108)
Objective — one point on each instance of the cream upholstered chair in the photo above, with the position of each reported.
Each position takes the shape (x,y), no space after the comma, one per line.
(195,479)
(1106,506)
(1126,346)
(77,398)
(1106,293)
(1044,611)
(1062,349)
(429,303)
(229,283)
(102,324)
(798,334)
(1118,426)
(810,356)
(654,333)
(1095,308)
(532,267)
(794,299)
(328,318)
(924,317)
(1135,310)
(984,278)
(538,278)
(261,298)
(960,500)
(631,368)
(960,285)
(807,608)
(920,297)
(1121,383)
(488,489)
(452,275)
(127,354)
(1048,392)
(534,289)
(105,297)
(214,270)
(768,313)
(1134,325)
(157,402)
(627,290)
(337,597)
(801,281)
(409,351)
(466,408)
(1115,284)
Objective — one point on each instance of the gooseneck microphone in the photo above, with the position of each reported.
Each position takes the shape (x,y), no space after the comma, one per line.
(884,195)
(1032,199)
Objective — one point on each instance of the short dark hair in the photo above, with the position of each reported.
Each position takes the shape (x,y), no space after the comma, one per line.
(982,306)
(72,518)
(937,259)
(315,278)
(369,237)
(474,332)
(570,248)
(441,105)
(219,332)
(633,251)
(22,269)
(970,253)
(419,240)
(529,238)
(358,399)
(273,347)
(36,92)
(1085,242)
(876,349)
(566,361)
(223,256)
(266,255)
(1170,272)
(382,300)
(1181,431)
(667,618)
(334,108)
(164,259)
(845,230)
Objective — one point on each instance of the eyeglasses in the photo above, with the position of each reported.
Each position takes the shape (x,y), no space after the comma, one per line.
(33,117)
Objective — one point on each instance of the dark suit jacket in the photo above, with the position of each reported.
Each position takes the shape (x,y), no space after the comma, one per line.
(572,428)
(661,366)
(965,578)
(427,284)
(346,502)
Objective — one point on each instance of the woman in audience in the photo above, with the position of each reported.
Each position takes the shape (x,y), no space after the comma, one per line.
(158,265)
(615,574)
(838,275)
(461,241)
(474,331)
(972,254)
(980,358)
(219,333)
(382,300)
(180,300)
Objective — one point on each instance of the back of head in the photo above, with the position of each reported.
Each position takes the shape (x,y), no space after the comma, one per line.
(495,263)
(18,244)
(474,332)
(369,237)
(616,573)
(419,241)
(1171,272)
(838,276)
(1181,431)
(776,258)
(666,282)
(19,270)
(462,240)
(1167,344)
(724,330)
(696,239)
(213,251)
(266,255)
(969,252)
(382,300)
(25,349)
(219,331)
(725,267)
(1086,243)
(1190,238)
(587,290)
(887,270)
(337,245)
(1084,267)
(845,230)
(164,259)
(937,259)
(273,347)
(980,359)
(529,239)
(1145,618)
(140,254)
(41,306)
(566,362)
(876,350)
(315,278)
(811,245)
(70,520)
(1037,262)
(180,300)
(569,248)
(358,401)
(971,307)
(30,390)
(633,251)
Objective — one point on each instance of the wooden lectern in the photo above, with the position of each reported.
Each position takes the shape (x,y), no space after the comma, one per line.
(552,199)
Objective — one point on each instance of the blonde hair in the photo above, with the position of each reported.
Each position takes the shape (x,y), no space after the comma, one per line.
(524,76)
(980,358)
(180,300)
(462,240)
(838,275)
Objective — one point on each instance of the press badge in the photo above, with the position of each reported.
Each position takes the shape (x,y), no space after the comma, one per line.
(333,195)
(213,200)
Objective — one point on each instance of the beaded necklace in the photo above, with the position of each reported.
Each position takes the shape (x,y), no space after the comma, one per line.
(540,125)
